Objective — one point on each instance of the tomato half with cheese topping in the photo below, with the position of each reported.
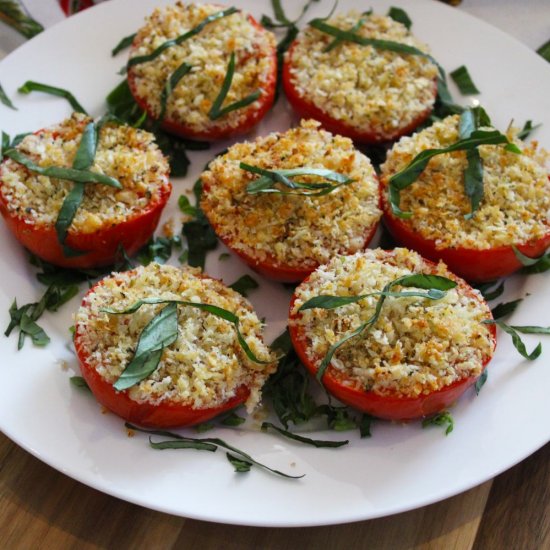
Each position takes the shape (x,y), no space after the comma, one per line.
(361,91)
(416,359)
(107,218)
(513,211)
(286,232)
(188,110)
(203,372)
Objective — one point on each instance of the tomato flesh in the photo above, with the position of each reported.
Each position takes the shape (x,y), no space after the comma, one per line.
(217,130)
(307,109)
(388,406)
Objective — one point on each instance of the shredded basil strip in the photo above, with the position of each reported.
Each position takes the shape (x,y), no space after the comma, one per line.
(171,83)
(379,44)
(266,183)
(401,16)
(434,284)
(182,38)
(6,100)
(544,51)
(79,382)
(58,172)
(506,308)
(533,265)
(243,285)
(463,80)
(123,44)
(442,419)
(513,331)
(487,290)
(216,111)
(240,464)
(412,171)
(183,444)
(31,86)
(162,331)
(319,443)
(528,129)
(12,14)
(213,441)
(280,16)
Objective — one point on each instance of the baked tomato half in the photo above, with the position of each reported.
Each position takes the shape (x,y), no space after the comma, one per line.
(420,355)
(235,43)
(329,203)
(203,370)
(368,94)
(479,245)
(106,218)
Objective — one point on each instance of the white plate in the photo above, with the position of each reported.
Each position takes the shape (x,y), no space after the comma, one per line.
(401,466)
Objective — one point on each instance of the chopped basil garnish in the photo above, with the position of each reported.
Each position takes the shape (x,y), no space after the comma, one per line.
(435,285)
(158,249)
(513,331)
(241,465)
(442,419)
(216,110)
(400,15)
(207,442)
(183,444)
(79,382)
(171,83)
(243,285)
(474,138)
(126,42)
(186,207)
(233,420)
(182,38)
(491,290)
(480,382)
(464,81)
(319,443)
(6,100)
(365,424)
(121,104)
(533,265)
(58,172)
(269,178)
(162,331)
(31,86)
(505,308)
(12,14)
(528,129)
(544,51)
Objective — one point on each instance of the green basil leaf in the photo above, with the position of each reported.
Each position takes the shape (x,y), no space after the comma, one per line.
(233,420)
(517,341)
(480,382)
(505,309)
(182,38)
(528,129)
(533,265)
(122,105)
(487,293)
(243,285)
(240,464)
(31,86)
(183,444)
(531,329)
(442,419)
(58,172)
(126,42)
(544,51)
(365,424)
(171,83)
(400,15)
(12,14)
(216,111)
(86,151)
(29,327)
(185,206)
(200,239)
(307,440)
(463,80)
(5,100)
(79,382)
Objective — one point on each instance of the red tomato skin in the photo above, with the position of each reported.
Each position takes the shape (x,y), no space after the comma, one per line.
(306,109)
(477,266)
(168,414)
(219,132)
(101,246)
(387,407)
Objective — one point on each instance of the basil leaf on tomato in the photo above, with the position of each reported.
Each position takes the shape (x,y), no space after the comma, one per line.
(532,265)
(32,86)
(168,88)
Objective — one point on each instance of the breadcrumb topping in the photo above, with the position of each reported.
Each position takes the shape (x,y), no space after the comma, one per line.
(206,364)
(365,87)
(417,346)
(208,53)
(516,204)
(291,230)
(128,154)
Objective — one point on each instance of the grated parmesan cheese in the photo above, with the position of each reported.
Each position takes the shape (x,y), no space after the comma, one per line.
(417,346)
(125,153)
(292,230)
(208,53)
(516,204)
(206,364)
(364,87)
